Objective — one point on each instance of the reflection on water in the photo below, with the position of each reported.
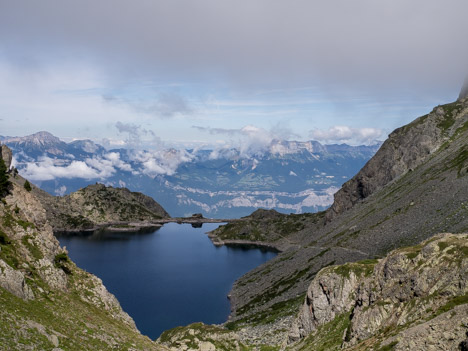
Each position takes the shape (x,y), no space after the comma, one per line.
(165,277)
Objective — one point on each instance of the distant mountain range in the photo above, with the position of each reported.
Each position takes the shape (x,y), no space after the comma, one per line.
(290,176)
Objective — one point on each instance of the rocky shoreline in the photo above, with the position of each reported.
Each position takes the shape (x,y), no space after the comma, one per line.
(126,226)
(257,244)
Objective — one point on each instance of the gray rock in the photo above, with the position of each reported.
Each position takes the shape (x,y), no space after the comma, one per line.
(7,155)
(405,149)
(13,281)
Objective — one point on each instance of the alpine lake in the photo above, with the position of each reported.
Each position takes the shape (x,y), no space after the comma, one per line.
(168,276)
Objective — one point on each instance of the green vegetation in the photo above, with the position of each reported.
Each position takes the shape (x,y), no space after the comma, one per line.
(460,160)
(451,304)
(8,250)
(86,327)
(270,315)
(267,226)
(329,336)
(28,242)
(4,240)
(276,289)
(27,185)
(450,111)
(191,335)
(412,255)
(443,245)
(62,261)
(77,221)
(363,268)
(4,182)
(388,347)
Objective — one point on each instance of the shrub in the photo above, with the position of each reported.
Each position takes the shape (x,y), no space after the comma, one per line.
(61,261)
(27,185)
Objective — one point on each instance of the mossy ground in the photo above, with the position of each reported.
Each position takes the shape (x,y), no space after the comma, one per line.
(329,336)
(77,324)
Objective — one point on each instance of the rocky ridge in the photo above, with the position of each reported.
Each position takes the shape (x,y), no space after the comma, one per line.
(405,149)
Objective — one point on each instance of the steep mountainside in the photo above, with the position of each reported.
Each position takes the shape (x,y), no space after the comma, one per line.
(47,302)
(406,201)
(405,149)
(98,205)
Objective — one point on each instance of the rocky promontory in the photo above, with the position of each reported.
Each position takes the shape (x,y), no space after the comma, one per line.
(100,206)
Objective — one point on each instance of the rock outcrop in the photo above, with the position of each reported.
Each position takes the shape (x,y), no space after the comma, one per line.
(6,155)
(415,298)
(14,282)
(200,337)
(99,205)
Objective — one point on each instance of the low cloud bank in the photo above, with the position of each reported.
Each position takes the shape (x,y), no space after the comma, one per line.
(102,167)
(346,134)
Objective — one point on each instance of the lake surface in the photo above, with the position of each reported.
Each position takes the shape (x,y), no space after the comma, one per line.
(166,277)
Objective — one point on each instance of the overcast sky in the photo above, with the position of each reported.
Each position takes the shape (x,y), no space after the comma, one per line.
(212,71)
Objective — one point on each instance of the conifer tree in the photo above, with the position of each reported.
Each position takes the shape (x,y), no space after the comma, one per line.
(4,182)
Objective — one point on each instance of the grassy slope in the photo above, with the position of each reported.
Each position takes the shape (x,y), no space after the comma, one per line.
(76,316)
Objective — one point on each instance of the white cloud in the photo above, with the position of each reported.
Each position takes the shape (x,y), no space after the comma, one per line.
(114,158)
(61,191)
(47,168)
(346,134)
(161,162)
(250,140)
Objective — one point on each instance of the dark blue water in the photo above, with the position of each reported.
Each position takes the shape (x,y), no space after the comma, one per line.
(165,278)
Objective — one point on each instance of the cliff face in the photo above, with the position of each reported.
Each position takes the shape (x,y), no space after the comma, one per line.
(97,205)
(405,149)
(6,155)
(415,298)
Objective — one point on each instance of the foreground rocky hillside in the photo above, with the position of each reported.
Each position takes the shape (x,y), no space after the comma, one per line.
(424,194)
(416,298)
(99,205)
(47,302)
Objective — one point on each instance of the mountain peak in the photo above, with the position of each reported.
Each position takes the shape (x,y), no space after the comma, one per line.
(43,137)
(39,138)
